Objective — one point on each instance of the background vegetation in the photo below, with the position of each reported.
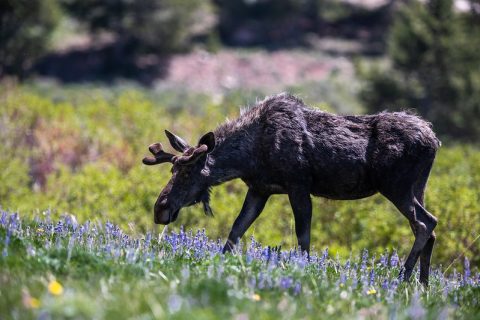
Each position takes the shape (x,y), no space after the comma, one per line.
(79,151)
(434,66)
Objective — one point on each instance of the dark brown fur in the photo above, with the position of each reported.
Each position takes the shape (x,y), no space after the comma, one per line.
(281,146)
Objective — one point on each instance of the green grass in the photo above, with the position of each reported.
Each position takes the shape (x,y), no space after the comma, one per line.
(191,279)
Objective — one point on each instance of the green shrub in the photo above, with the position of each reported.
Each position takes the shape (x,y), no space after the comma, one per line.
(243,22)
(25,30)
(434,61)
(160,26)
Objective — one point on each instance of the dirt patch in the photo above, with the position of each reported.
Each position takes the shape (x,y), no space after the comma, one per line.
(214,73)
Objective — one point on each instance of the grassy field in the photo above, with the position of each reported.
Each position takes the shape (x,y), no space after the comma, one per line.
(63,269)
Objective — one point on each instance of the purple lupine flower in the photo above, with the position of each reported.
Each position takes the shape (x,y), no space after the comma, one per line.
(148,239)
(71,243)
(131,255)
(466,272)
(3,218)
(285,282)
(347,265)
(384,260)
(343,279)
(31,250)
(220,270)
(394,259)
(117,252)
(363,266)
(372,277)
(321,263)
(6,243)
(301,260)
(248,258)
(261,281)
(89,242)
(385,284)
(185,273)
(446,289)
(325,254)
(297,289)
(175,303)
(252,282)
(354,278)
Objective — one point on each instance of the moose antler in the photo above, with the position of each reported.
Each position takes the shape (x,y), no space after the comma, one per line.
(191,155)
(160,156)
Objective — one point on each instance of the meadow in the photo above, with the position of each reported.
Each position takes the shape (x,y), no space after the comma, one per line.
(62,269)
(76,152)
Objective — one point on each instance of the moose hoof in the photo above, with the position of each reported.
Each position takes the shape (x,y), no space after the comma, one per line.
(227,248)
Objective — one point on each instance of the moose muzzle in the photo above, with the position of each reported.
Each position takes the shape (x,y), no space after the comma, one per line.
(162,214)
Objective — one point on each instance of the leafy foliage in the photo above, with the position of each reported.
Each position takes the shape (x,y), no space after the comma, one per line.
(161,26)
(243,22)
(434,68)
(25,29)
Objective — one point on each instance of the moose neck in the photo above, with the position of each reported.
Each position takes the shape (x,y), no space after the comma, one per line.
(231,158)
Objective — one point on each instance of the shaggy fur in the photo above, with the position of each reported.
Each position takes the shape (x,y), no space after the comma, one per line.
(282,146)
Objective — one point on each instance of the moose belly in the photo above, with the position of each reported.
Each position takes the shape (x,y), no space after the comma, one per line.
(343,184)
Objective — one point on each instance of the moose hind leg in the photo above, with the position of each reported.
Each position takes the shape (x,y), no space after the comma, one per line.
(426,254)
(430,222)
(425,257)
(422,224)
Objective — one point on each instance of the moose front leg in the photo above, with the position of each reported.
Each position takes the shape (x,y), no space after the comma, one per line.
(302,210)
(252,207)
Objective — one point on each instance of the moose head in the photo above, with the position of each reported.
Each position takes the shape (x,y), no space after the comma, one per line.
(189,182)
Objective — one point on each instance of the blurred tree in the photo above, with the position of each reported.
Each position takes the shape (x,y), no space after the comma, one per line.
(251,22)
(435,67)
(159,26)
(25,29)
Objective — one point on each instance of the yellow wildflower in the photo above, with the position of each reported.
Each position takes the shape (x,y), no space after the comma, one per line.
(40,230)
(33,303)
(371,291)
(256,297)
(28,301)
(55,288)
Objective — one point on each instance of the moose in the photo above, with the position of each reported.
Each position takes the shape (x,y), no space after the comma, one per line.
(282,146)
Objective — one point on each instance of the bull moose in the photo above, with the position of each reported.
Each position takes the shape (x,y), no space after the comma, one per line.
(282,146)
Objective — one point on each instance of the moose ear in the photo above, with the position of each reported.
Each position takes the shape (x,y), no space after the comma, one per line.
(177,143)
(208,139)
